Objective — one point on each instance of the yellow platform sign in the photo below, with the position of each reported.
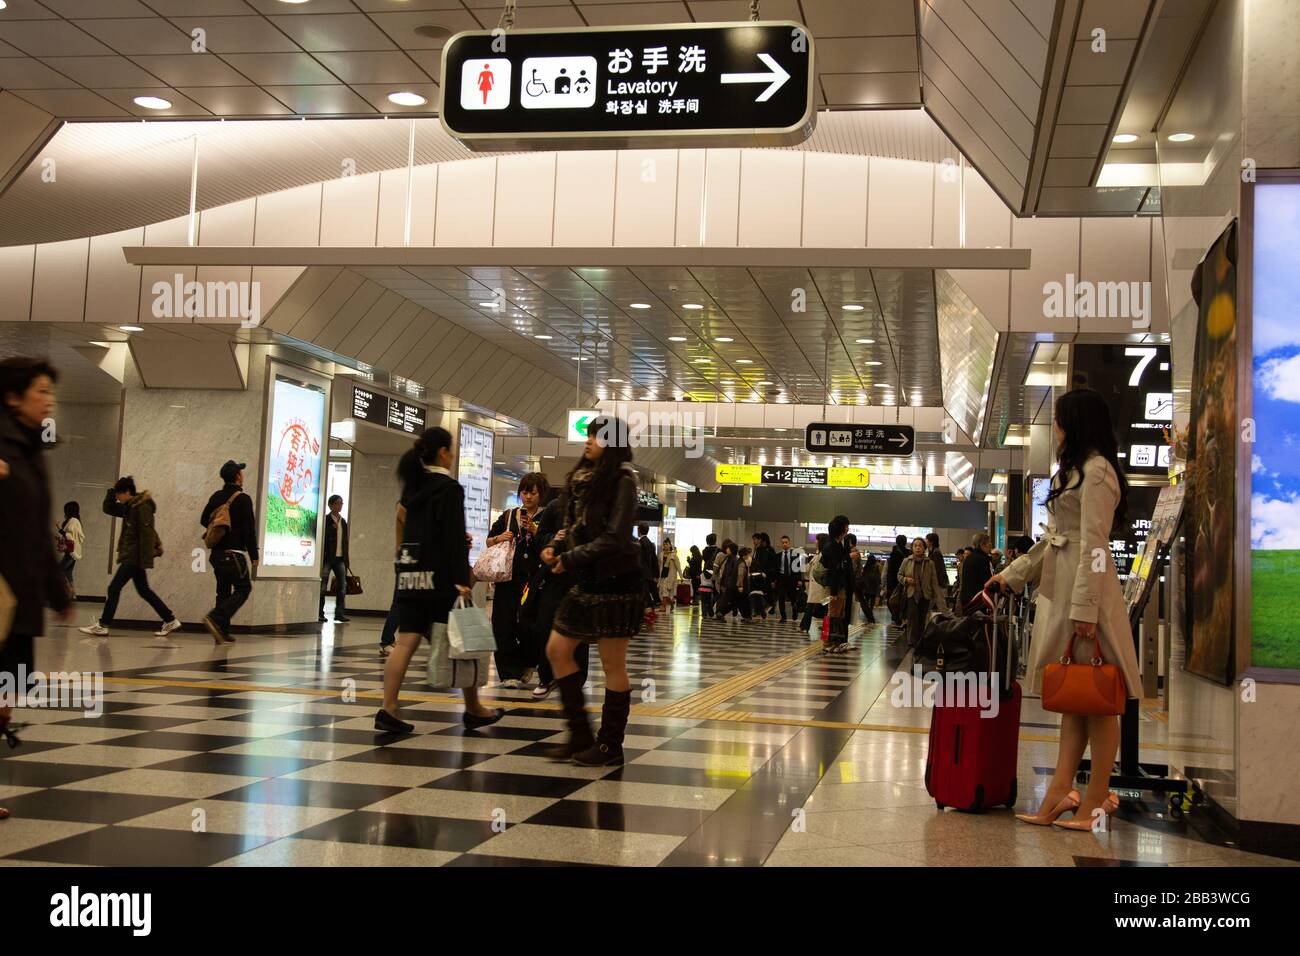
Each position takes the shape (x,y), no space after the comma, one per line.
(848,477)
(739,474)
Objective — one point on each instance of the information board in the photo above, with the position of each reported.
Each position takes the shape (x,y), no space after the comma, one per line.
(474,472)
(379,409)
(832,438)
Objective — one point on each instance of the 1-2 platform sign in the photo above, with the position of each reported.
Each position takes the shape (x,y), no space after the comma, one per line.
(712,84)
(830,438)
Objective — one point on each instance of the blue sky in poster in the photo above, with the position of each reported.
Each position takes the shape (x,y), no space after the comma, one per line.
(1275,466)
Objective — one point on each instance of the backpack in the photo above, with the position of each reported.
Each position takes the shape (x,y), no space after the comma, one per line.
(219,522)
(821,574)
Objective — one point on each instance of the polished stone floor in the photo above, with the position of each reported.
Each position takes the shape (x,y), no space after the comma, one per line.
(746,746)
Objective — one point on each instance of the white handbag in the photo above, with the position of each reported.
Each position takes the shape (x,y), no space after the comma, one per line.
(496,563)
(469,632)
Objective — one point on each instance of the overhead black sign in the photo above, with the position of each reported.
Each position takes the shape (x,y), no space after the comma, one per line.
(835,438)
(714,84)
(387,412)
(648,506)
(1137,383)
(794,476)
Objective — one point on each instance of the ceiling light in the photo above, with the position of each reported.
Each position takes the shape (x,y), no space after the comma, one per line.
(765,383)
(152,102)
(873,363)
(407,98)
(487,305)
(724,338)
(617,380)
(581,358)
(1124,138)
(1181,137)
(693,306)
(865,341)
(701,361)
(3,4)
(640,305)
(883,385)
(744,361)
(676,338)
(130,328)
(544,338)
(432,31)
(853,308)
(778,429)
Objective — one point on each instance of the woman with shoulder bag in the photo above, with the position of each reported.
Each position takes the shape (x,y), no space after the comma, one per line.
(607,604)
(70,538)
(432,571)
(921,585)
(1083,617)
(515,665)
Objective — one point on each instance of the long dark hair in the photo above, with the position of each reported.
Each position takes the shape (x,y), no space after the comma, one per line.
(613,435)
(71,509)
(1084,418)
(423,452)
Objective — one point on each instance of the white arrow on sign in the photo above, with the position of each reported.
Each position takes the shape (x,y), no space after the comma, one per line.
(776,77)
(900,439)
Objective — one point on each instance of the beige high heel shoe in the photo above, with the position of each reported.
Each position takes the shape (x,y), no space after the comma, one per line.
(1067,803)
(1109,807)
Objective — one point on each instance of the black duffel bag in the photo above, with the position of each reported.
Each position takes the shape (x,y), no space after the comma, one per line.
(953,644)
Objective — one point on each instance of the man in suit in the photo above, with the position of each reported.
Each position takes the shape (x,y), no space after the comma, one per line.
(789,564)
(335,559)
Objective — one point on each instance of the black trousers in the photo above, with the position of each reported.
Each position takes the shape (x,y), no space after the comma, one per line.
(918,610)
(140,578)
(785,591)
(339,568)
(514,649)
(234,585)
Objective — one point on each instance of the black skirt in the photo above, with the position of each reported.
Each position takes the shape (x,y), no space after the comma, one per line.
(610,607)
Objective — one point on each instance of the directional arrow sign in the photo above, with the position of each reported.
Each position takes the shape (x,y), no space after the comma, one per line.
(654,86)
(833,438)
(579,419)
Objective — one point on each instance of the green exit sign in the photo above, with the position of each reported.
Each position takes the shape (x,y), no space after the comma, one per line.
(579,420)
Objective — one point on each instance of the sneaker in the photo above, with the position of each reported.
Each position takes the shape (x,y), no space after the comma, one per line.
(167,628)
(511,684)
(543,691)
(94,630)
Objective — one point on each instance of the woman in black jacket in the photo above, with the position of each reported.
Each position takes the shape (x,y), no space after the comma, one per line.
(607,603)
(514,655)
(432,571)
(545,592)
(29,570)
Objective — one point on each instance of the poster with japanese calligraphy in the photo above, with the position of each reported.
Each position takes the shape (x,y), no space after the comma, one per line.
(295,452)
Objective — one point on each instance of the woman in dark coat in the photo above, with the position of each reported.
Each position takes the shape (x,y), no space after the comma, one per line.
(976,568)
(545,593)
(514,655)
(607,603)
(30,576)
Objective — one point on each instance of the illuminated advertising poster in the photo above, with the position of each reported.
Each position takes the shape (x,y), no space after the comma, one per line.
(292,495)
(474,472)
(1275,466)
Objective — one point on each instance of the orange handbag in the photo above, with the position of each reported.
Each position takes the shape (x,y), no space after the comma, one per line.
(1095,689)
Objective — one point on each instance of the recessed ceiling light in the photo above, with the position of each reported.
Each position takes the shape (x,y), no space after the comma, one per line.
(543,337)
(778,429)
(3,4)
(1125,138)
(407,98)
(764,383)
(432,31)
(618,380)
(152,102)
(703,361)
(744,361)
(488,305)
(640,305)
(130,328)
(692,306)
(873,363)
(865,341)
(883,385)
(581,358)
(676,338)
(1181,137)
(853,308)
(724,338)
(728,381)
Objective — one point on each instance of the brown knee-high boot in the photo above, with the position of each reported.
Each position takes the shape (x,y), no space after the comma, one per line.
(575,712)
(608,749)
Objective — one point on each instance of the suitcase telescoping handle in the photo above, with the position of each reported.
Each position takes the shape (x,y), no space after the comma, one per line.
(994,598)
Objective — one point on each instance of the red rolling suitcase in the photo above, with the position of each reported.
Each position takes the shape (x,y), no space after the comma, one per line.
(684,594)
(971,763)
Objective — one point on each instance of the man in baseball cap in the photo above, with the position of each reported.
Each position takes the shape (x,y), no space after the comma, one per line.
(230,469)
(235,555)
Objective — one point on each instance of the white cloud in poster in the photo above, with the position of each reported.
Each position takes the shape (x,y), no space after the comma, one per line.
(1280,378)
(1256,464)
(1277,281)
(1275,523)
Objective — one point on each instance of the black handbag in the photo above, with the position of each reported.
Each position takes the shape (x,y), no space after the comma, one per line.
(953,644)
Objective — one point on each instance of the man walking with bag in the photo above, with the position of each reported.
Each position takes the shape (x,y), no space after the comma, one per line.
(337,560)
(232,536)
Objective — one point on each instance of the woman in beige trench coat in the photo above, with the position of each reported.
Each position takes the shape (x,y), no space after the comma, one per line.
(1080,597)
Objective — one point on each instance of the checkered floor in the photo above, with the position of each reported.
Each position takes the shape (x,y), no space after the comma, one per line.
(264,753)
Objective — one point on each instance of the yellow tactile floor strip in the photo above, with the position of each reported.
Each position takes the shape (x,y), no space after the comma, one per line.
(703,701)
